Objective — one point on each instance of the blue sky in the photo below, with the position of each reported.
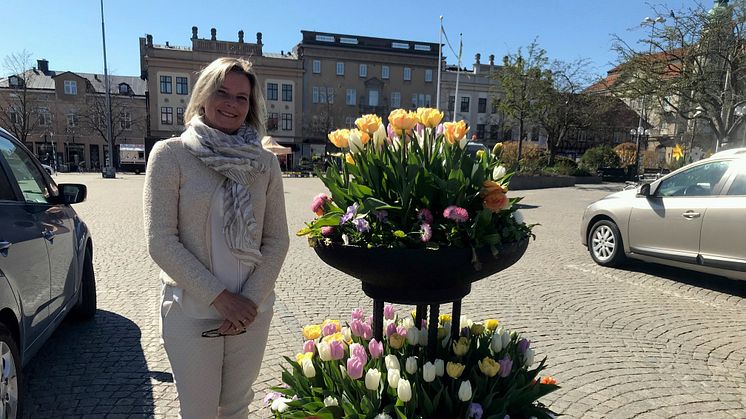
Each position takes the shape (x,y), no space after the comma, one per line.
(68,33)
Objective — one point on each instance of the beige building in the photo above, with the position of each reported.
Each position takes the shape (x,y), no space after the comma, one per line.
(62,114)
(345,76)
(171,72)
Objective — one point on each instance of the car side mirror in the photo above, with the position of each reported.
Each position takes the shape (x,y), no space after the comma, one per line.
(72,193)
(644,190)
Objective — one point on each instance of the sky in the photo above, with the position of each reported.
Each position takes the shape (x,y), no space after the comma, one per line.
(68,33)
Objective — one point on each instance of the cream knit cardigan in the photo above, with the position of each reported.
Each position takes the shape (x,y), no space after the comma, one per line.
(176,202)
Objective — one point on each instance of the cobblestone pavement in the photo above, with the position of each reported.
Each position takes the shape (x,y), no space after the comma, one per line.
(646,341)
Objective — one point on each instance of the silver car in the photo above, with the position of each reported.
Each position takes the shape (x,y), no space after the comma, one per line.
(693,218)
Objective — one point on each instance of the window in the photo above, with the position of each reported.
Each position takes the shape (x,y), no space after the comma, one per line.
(271,91)
(395,99)
(182,86)
(167,115)
(480,131)
(420,47)
(166,84)
(124,89)
(180,116)
(330,94)
(465,104)
(482,105)
(325,38)
(45,118)
(385,72)
(316,66)
(315,94)
(421,100)
(428,101)
(451,102)
(28,177)
(351,96)
(363,70)
(14,81)
(322,95)
(407,74)
(71,87)
(701,180)
(738,187)
(287,122)
(350,41)
(273,119)
(414,100)
(372,97)
(340,68)
(287,92)
(399,45)
(72,120)
(125,120)
(429,75)
(15,116)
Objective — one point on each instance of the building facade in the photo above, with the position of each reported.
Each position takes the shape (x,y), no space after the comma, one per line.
(62,114)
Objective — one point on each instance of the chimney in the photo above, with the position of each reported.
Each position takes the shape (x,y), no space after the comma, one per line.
(477,58)
(259,38)
(167,46)
(492,59)
(149,41)
(43,65)
(240,37)
(194,32)
(213,34)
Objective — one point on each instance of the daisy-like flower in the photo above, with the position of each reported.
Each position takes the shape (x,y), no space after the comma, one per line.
(426,231)
(456,214)
(424,215)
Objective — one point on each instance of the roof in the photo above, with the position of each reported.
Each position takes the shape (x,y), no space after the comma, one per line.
(39,80)
(612,76)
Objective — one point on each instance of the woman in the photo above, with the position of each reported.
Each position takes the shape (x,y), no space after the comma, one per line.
(215,224)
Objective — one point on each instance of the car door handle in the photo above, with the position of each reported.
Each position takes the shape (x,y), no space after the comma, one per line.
(47,234)
(691,214)
(4,246)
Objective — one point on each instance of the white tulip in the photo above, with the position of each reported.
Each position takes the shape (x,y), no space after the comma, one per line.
(404,390)
(330,401)
(465,322)
(347,333)
(356,143)
(440,367)
(464,392)
(499,172)
(428,372)
(308,369)
(496,344)
(529,357)
(379,137)
(408,322)
(392,362)
(413,336)
(506,338)
(411,365)
(372,379)
(393,377)
(325,351)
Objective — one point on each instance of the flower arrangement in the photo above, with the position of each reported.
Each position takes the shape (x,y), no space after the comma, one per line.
(343,372)
(413,184)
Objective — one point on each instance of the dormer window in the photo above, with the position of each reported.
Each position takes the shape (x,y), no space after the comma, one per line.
(71,87)
(124,89)
(14,81)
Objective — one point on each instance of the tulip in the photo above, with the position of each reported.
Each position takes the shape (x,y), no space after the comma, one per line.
(355,368)
(358,139)
(356,327)
(428,372)
(506,365)
(349,159)
(491,324)
(496,344)
(477,329)
(311,331)
(308,369)
(346,334)
(455,131)
(497,150)
(372,379)
(309,346)
(402,120)
(464,392)
(489,366)
(461,347)
(367,331)
(429,117)
(391,362)
(340,138)
(523,345)
(332,325)
(336,336)
(404,390)
(358,351)
(401,330)
(337,349)
(375,348)
(330,401)
(357,314)
(325,351)
(439,367)
(302,356)
(379,137)
(411,365)
(413,336)
(454,369)
(476,411)
(529,357)
(393,377)
(391,329)
(498,172)
(368,123)
(407,322)
(444,318)
(506,338)
(442,332)
(396,341)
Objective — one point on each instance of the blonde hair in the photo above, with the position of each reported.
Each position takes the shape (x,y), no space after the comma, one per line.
(211,79)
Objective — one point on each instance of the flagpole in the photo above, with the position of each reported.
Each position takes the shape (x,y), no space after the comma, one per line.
(110,171)
(440,62)
(458,73)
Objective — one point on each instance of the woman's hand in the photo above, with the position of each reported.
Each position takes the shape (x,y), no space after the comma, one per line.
(238,311)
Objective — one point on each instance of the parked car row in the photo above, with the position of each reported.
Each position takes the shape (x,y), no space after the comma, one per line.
(46,263)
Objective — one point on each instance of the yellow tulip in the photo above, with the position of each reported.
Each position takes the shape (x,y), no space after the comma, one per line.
(336,336)
(454,369)
(368,123)
(349,158)
(312,331)
(402,120)
(306,355)
(455,131)
(444,318)
(497,149)
(489,366)
(461,347)
(442,332)
(396,341)
(491,324)
(340,138)
(429,117)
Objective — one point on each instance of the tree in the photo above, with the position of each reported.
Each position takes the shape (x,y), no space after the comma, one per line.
(18,108)
(124,115)
(696,62)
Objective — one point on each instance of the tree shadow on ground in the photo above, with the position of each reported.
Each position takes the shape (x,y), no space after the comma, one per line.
(697,279)
(91,368)
(608,187)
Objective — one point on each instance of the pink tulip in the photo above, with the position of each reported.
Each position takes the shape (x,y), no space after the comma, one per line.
(388,312)
(390,329)
(357,314)
(337,349)
(356,327)
(402,331)
(367,331)
(309,346)
(355,368)
(329,329)
(375,348)
(358,351)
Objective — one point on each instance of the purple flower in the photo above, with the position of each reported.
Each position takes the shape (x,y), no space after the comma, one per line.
(375,348)
(466,332)
(309,346)
(390,329)
(355,368)
(361,225)
(388,312)
(329,329)
(337,349)
(357,314)
(382,215)
(272,395)
(475,411)
(356,327)
(327,231)
(358,351)
(506,364)
(367,331)
(456,214)
(523,345)
(351,212)
(401,331)
(426,232)
(424,215)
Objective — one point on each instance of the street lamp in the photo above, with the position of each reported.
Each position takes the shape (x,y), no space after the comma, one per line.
(637,133)
(699,112)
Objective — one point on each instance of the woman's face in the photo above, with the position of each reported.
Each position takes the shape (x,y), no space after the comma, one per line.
(226,109)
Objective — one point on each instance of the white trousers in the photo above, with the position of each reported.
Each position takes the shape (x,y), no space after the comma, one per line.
(213,376)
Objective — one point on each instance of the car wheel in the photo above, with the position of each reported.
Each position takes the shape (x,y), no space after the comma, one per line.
(10,376)
(85,309)
(605,244)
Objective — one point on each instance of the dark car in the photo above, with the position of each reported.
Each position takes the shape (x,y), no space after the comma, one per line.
(46,263)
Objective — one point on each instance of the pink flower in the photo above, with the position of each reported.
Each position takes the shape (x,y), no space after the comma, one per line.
(426,231)
(356,327)
(327,231)
(388,312)
(358,351)
(456,214)
(309,346)
(367,331)
(355,368)
(330,329)
(440,129)
(337,349)
(390,329)
(401,331)
(425,216)
(375,348)
(357,314)
(319,203)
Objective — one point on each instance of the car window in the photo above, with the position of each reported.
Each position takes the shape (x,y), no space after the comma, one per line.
(6,190)
(738,187)
(701,180)
(29,178)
